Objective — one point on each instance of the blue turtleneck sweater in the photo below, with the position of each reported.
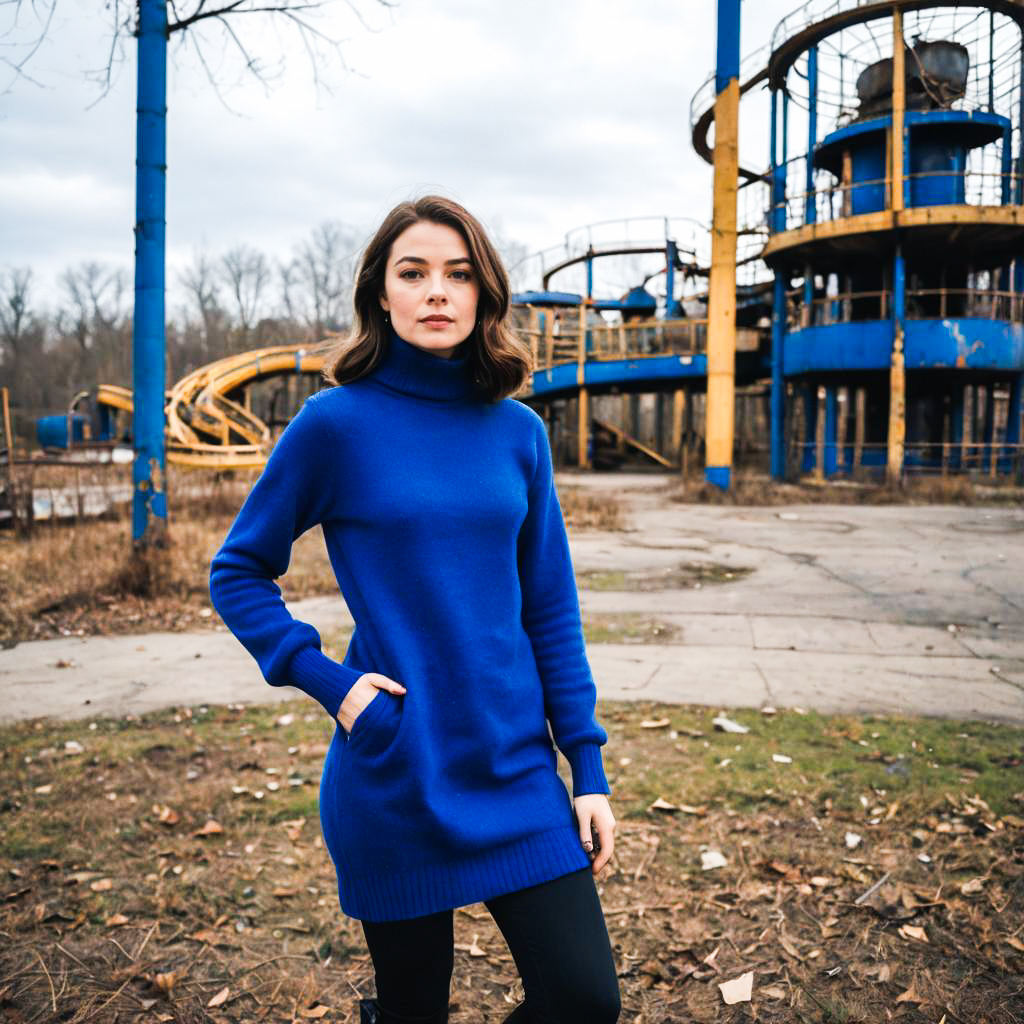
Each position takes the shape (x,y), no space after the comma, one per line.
(445,534)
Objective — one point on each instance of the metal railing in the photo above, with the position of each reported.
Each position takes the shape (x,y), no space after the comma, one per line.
(921,304)
(835,200)
(975,459)
(639,339)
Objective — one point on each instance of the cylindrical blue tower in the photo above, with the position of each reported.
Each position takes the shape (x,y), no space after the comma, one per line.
(892,208)
(896,236)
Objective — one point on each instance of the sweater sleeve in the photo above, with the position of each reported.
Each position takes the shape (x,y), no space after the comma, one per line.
(290,497)
(551,617)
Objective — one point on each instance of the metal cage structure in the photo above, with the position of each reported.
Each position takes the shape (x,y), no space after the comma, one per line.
(892,211)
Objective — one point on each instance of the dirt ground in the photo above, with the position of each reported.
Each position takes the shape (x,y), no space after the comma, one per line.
(171,868)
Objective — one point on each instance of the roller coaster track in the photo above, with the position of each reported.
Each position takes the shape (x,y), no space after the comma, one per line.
(205,419)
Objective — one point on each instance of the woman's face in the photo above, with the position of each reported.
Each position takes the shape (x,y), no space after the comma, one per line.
(431,288)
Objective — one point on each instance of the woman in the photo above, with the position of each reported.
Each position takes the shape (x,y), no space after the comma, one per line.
(436,496)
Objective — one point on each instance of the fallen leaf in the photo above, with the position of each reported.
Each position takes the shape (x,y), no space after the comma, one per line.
(910,931)
(654,723)
(662,805)
(852,840)
(101,885)
(738,990)
(773,992)
(117,919)
(283,892)
(782,759)
(45,790)
(294,828)
(910,996)
(165,815)
(220,998)
(973,886)
(166,980)
(315,1012)
(210,828)
(711,859)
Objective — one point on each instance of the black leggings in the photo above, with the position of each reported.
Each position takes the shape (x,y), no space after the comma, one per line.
(558,938)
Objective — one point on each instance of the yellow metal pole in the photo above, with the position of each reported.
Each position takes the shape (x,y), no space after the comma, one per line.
(678,408)
(584,430)
(583,433)
(899,106)
(12,490)
(897,367)
(719,424)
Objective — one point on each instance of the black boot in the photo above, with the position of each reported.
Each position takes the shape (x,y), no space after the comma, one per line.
(370,1013)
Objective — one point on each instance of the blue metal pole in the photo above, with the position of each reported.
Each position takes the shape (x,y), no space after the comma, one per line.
(778,401)
(782,172)
(149,501)
(1019,183)
(777,222)
(810,208)
(1013,423)
(1006,167)
(670,278)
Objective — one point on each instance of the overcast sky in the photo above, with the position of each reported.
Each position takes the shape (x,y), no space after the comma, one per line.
(539,115)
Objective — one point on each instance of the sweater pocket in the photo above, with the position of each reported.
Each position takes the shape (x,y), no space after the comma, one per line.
(377,724)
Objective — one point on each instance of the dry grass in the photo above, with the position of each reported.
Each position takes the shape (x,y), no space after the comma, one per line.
(124,903)
(750,488)
(81,579)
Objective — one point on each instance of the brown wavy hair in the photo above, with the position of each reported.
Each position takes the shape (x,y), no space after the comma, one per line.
(499,362)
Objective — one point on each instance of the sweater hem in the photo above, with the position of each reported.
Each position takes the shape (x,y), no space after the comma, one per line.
(430,888)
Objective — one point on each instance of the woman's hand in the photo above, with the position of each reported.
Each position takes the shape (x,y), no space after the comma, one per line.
(363,690)
(594,814)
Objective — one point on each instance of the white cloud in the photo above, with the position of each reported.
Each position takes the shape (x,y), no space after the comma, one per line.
(540,116)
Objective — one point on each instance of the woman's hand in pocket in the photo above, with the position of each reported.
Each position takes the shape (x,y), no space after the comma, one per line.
(363,690)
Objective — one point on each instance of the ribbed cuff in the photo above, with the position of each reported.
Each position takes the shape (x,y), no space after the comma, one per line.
(587,769)
(322,678)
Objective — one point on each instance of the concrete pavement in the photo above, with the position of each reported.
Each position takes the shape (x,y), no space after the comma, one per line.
(909,609)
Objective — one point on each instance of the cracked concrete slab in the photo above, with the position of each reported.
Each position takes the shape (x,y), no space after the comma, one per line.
(847,609)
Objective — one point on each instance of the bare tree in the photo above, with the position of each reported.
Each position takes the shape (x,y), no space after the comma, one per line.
(94,315)
(29,21)
(246,273)
(317,284)
(200,282)
(15,317)
(94,301)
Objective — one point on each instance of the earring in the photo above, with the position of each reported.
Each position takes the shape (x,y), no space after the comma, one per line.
(387,319)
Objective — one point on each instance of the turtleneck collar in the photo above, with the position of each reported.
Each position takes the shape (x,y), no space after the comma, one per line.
(414,371)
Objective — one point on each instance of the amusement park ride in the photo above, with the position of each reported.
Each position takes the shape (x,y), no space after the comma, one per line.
(869,322)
